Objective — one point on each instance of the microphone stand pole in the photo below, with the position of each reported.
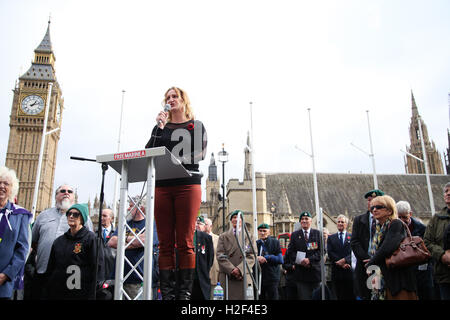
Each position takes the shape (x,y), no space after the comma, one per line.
(99,227)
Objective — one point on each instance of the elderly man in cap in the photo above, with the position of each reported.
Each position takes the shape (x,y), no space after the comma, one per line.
(362,232)
(270,259)
(231,260)
(304,251)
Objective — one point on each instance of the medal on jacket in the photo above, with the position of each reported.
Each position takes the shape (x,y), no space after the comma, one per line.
(77,248)
(203,249)
(312,246)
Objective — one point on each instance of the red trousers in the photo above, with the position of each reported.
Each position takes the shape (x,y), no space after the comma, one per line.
(176,210)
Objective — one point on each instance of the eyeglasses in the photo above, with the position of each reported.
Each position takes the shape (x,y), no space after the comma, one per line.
(378,207)
(74,214)
(64,191)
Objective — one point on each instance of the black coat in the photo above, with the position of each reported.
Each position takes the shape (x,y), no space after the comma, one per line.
(69,251)
(360,246)
(336,251)
(272,252)
(312,249)
(204,258)
(396,279)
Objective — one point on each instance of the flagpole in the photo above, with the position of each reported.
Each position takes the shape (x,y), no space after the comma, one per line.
(316,200)
(41,152)
(116,181)
(372,156)
(255,212)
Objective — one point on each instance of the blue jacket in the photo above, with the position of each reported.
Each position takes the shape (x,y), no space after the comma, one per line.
(14,246)
(270,249)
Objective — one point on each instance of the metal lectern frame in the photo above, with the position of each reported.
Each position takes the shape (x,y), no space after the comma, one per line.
(137,166)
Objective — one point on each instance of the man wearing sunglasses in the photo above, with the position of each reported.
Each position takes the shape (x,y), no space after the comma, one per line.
(362,232)
(49,225)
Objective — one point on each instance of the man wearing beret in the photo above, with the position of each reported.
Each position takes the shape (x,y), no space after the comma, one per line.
(362,232)
(231,261)
(270,259)
(304,250)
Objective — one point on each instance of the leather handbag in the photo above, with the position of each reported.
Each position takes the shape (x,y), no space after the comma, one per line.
(412,251)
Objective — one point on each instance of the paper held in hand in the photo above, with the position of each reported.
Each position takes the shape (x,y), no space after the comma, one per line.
(300,256)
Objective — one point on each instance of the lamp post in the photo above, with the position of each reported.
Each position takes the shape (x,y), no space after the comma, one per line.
(223,157)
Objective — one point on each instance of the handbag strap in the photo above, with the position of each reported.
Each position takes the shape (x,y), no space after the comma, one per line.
(408,232)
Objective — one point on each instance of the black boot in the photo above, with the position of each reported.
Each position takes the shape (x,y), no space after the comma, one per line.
(167,284)
(185,282)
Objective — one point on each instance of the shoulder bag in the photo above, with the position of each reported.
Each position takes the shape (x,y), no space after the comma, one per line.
(412,251)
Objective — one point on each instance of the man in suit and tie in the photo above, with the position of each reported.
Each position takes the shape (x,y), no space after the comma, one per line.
(107,227)
(108,252)
(362,232)
(340,255)
(304,251)
(230,258)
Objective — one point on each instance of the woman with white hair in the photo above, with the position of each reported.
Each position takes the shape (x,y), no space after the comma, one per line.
(14,234)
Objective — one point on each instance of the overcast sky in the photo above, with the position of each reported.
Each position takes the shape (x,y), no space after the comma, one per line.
(339,58)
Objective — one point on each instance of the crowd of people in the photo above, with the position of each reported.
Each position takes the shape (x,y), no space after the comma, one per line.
(61,245)
(62,258)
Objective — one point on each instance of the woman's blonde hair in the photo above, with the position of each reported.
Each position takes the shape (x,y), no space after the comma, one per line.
(185,98)
(389,203)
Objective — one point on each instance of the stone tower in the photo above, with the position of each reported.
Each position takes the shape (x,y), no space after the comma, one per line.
(30,97)
(414,166)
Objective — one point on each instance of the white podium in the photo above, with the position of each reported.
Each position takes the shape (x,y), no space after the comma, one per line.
(139,166)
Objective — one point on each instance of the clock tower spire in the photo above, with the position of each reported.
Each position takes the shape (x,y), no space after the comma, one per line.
(26,126)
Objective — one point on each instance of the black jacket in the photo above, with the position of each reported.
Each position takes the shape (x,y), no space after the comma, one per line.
(360,247)
(204,258)
(270,249)
(71,266)
(312,249)
(336,251)
(396,279)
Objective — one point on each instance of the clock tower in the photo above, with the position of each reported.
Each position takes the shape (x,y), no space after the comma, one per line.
(26,126)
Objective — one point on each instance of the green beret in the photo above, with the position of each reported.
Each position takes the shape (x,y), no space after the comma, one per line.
(83,209)
(304,214)
(263,226)
(374,193)
(235,213)
(201,219)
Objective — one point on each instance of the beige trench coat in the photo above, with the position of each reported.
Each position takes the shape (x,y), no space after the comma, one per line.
(227,246)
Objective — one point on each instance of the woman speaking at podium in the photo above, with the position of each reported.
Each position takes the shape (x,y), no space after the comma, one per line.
(177,201)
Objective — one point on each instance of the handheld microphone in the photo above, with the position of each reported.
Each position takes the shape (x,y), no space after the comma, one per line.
(167,107)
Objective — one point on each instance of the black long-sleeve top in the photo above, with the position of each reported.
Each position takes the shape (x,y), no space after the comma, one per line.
(187,141)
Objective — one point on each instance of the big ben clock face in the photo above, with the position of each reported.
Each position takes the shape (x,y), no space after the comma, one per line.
(32,105)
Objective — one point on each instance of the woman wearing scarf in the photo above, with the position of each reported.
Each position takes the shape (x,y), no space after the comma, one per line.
(393,284)
(14,235)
